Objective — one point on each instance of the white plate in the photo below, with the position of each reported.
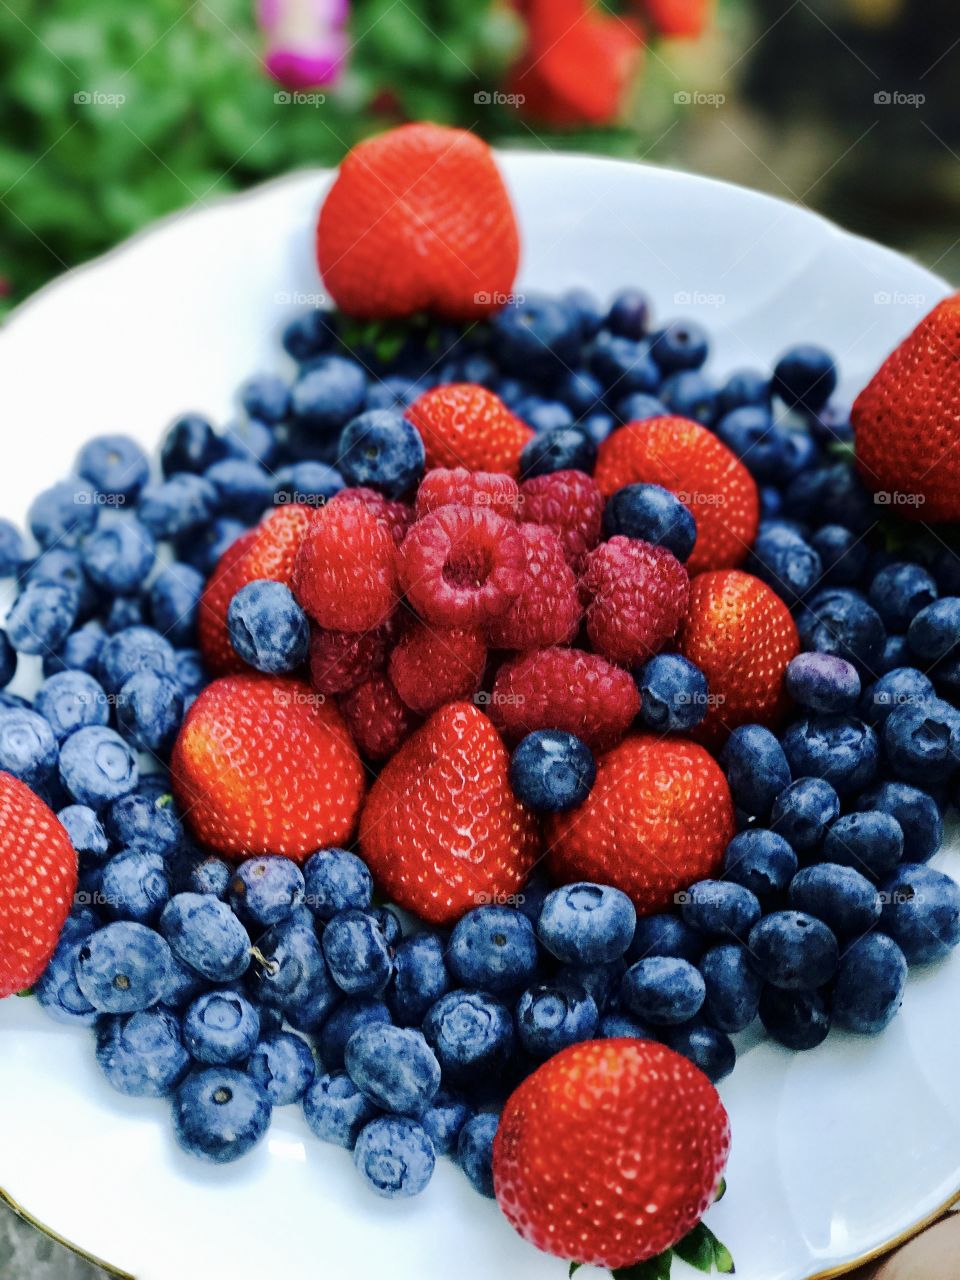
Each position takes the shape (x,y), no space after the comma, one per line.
(836,1152)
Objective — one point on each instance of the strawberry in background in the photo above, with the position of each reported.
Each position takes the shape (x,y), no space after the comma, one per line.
(684,19)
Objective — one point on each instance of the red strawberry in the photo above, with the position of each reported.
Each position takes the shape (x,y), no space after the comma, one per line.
(658,819)
(346,570)
(569,503)
(637,596)
(710,481)
(38,878)
(465,425)
(547,610)
(684,19)
(741,635)
(266,766)
(611,1152)
(566,689)
(442,830)
(906,421)
(376,716)
(462,488)
(431,666)
(418,219)
(269,551)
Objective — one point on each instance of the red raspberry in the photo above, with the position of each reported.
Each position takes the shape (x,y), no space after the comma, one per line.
(376,717)
(461,566)
(340,660)
(397,516)
(463,488)
(637,597)
(430,667)
(569,503)
(346,571)
(465,425)
(564,689)
(547,610)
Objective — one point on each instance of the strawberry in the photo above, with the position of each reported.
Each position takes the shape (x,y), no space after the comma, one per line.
(610,1152)
(741,635)
(268,551)
(658,819)
(906,421)
(266,766)
(417,219)
(465,425)
(684,19)
(391,512)
(710,481)
(441,830)
(38,878)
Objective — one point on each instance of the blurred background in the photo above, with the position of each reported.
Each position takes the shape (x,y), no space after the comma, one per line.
(116,114)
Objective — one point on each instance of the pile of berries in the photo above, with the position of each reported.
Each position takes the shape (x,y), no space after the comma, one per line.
(536,604)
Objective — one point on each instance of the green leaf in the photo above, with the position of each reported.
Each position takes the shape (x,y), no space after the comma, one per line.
(696,1248)
(657,1268)
(723,1258)
(574,1268)
(721,1191)
(27,991)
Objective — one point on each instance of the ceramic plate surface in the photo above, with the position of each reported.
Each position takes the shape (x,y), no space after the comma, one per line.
(835,1152)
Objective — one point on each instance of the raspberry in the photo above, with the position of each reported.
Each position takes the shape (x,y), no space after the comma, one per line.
(564,689)
(569,503)
(340,660)
(346,572)
(430,667)
(465,425)
(397,516)
(463,488)
(547,610)
(461,566)
(637,597)
(376,717)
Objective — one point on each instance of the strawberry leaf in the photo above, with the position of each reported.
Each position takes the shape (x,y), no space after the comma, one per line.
(696,1248)
(721,1191)
(27,991)
(574,1267)
(657,1268)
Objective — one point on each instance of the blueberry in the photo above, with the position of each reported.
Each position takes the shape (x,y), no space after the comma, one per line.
(8,660)
(839,895)
(142,1054)
(681,345)
(472,1035)
(843,554)
(840,621)
(691,395)
(197,872)
(552,771)
(551,1017)
(382,450)
(802,812)
(561,449)
(493,948)
(178,505)
(638,406)
(805,377)
(62,514)
(663,990)
(934,633)
(601,981)
(290,972)
(219,1114)
(793,950)
(444,1121)
(123,967)
(144,821)
(266,398)
(149,711)
(97,766)
(732,988)
(115,465)
(617,1026)
(903,686)
(283,1066)
(586,310)
(580,390)
(174,600)
(328,394)
(125,611)
(535,337)
(744,387)
(13,552)
(475,1151)
(785,562)
(665,935)
(334,881)
(134,649)
(394,1066)
(203,547)
(191,674)
(706,1047)
(923,742)
(624,367)
(310,483)
(135,886)
(63,566)
(921,912)
(184,986)
(823,682)
(629,314)
(899,591)
(420,978)
(357,954)
(917,813)
(56,989)
(896,653)
(543,416)
(336,1110)
(85,830)
(652,514)
(242,486)
(347,1018)
(221,1027)
(870,983)
(267,627)
(673,693)
(389,924)
(310,334)
(41,617)
(587,923)
(191,444)
(265,891)
(720,907)
(762,861)
(28,748)
(204,933)
(394,1156)
(797,1019)
(840,749)
(870,841)
(119,553)
(756,767)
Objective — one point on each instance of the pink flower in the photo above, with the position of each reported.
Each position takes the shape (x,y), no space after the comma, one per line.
(307,42)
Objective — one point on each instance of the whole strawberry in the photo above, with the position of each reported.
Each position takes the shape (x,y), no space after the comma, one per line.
(683,19)
(658,819)
(742,636)
(418,219)
(710,481)
(906,421)
(266,766)
(441,830)
(636,596)
(611,1152)
(38,878)
(465,425)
